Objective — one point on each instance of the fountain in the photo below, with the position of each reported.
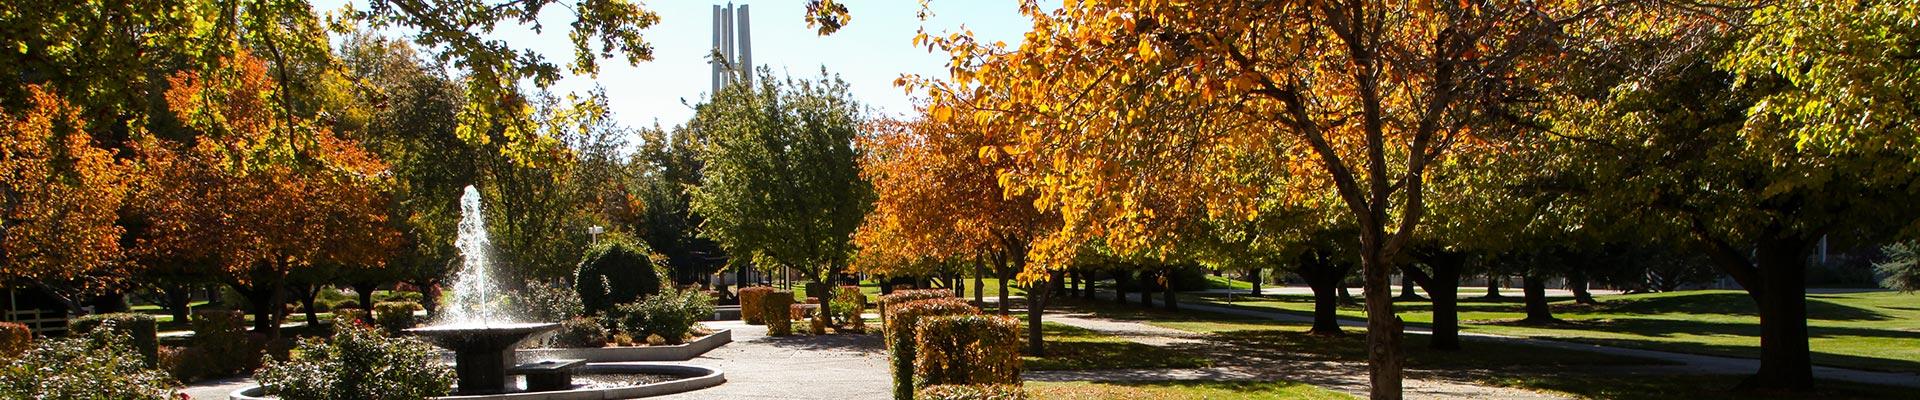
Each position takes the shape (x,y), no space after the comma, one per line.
(481,336)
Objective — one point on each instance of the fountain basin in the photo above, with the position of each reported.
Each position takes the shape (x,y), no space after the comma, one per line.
(678,352)
(692,378)
(482,353)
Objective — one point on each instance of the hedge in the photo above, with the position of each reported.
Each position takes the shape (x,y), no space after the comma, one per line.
(14,339)
(141,328)
(973,392)
(220,345)
(967,349)
(581,332)
(773,309)
(750,304)
(899,335)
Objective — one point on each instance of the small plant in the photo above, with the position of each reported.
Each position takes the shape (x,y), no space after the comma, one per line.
(656,340)
(14,339)
(622,339)
(581,332)
(101,365)
(140,328)
(848,304)
(973,392)
(616,271)
(395,317)
(543,301)
(967,349)
(774,309)
(670,314)
(899,330)
(750,304)
(358,363)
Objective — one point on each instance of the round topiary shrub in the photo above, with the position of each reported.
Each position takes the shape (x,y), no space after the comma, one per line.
(140,328)
(616,271)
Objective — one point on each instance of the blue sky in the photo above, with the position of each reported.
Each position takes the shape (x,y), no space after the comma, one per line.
(869,53)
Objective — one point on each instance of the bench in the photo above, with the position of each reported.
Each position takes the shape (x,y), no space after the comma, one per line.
(548,375)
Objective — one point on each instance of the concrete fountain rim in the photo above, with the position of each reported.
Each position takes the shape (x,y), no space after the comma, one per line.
(701,378)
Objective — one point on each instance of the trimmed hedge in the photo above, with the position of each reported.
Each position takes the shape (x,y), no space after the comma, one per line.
(395,317)
(616,271)
(14,339)
(903,296)
(750,304)
(774,309)
(973,392)
(220,345)
(899,335)
(141,328)
(967,349)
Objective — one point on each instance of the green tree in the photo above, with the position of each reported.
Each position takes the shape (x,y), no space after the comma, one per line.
(663,172)
(781,182)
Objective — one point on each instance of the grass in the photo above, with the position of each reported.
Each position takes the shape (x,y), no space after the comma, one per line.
(1180,390)
(1072,348)
(1708,387)
(1868,330)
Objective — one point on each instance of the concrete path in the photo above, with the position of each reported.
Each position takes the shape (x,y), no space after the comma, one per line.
(795,367)
(1687,363)
(1465,292)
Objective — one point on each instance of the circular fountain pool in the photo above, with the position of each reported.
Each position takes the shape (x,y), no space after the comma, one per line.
(596,381)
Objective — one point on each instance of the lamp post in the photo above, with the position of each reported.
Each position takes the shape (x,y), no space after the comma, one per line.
(593,234)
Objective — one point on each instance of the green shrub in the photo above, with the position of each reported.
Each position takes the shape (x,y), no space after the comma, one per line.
(395,317)
(967,349)
(543,301)
(358,363)
(101,365)
(848,304)
(581,332)
(899,330)
(775,307)
(14,339)
(973,392)
(220,346)
(616,271)
(670,314)
(343,305)
(396,295)
(141,328)
(750,299)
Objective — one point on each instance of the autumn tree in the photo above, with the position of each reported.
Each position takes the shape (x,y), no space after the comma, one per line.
(1114,96)
(780,183)
(60,195)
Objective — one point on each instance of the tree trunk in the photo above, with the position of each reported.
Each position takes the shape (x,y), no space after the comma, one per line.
(1384,356)
(1493,286)
(1255,275)
(1345,296)
(1171,299)
(261,302)
(1146,281)
(1406,289)
(1002,274)
(1785,360)
(1577,282)
(1036,305)
(1534,287)
(307,295)
(1057,282)
(1120,287)
(958,284)
(979,282)
(365,291)
(1323,275)
(179,301)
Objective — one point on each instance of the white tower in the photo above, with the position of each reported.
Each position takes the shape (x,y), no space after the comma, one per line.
(733,41)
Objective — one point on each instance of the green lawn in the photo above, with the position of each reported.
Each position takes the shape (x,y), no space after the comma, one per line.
(1071,348)
(1179,390)
(1870,330)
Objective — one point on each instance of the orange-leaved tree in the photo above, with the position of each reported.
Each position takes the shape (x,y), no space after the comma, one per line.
(1117,101)
(251,219)
(60,195)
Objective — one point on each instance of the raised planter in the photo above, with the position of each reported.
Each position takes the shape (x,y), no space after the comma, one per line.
(726,313)
(678,352)
(697,378)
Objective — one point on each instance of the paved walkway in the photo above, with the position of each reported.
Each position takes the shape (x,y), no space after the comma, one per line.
(794,367)
(1686,363)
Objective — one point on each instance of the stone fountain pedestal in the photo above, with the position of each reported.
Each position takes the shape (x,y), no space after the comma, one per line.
(482,353)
